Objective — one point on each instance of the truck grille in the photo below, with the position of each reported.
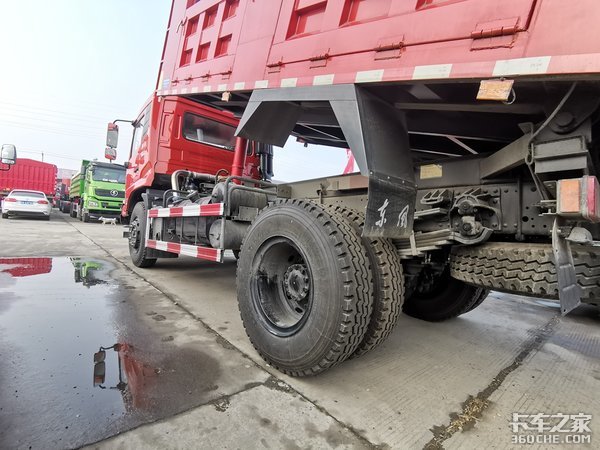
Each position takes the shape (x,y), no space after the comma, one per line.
(112,193)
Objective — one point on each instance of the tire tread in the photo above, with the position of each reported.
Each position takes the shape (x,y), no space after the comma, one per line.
(526,269)
(388,281)
(353,264)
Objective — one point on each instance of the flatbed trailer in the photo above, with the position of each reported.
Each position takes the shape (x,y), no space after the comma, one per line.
(475,127)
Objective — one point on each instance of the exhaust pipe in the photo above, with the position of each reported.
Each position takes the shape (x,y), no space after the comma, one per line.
(199,176)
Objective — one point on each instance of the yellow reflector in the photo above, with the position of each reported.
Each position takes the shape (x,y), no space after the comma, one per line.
(496,90)
(570,196)
(579,198)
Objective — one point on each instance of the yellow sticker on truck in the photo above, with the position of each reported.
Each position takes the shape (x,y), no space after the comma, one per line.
(431,171)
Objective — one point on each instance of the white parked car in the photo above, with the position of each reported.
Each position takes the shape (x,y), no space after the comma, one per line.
(21,202)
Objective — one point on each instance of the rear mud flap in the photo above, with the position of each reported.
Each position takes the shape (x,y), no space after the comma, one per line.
(569,292)
(390,208)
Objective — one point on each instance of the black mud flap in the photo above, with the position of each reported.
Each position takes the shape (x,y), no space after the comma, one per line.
(569,292)
(377,133)
(390,208)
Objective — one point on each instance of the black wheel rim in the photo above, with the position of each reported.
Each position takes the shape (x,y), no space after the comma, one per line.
(135,235)
(281,287)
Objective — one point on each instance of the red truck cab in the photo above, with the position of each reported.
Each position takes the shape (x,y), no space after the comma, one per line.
(172,133)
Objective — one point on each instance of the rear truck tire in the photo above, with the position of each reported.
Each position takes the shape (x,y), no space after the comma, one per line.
(525,269)
(480,299)
(304,287)
(137,248)
(388,283)
(5,215)
(446,299)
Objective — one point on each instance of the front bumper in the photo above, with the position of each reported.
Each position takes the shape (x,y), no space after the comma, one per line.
(109,214)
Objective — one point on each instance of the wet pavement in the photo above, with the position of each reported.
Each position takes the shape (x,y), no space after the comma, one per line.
(55,314)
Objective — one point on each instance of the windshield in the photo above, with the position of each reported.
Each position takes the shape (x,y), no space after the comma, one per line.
(27,194)
(110,174)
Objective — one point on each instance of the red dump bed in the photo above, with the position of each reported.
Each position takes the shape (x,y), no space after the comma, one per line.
(234,45)
(29,174)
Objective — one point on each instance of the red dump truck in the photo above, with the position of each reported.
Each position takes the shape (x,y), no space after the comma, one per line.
(29,174)
(475,127)
(61,196)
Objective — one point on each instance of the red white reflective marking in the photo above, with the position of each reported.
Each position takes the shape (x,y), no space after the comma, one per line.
(212,209)
(212,254)
(536,65)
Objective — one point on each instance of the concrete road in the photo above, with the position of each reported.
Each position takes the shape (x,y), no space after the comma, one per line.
(192,379)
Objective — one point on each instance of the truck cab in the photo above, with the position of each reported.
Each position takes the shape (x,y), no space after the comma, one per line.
(172,133)
(97,190)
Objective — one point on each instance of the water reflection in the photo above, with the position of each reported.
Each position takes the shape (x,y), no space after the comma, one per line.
(89,272)
(134,376)
(25,267)
(55,313)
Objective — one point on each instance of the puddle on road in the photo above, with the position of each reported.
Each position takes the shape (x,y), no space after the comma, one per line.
(76,362)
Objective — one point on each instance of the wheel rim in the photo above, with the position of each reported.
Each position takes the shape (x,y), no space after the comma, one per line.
(281,284)
(135,235)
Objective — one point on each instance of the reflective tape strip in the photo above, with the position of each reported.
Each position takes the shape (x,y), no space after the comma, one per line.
(211,254)
(522,66)
(211,209)
(369,76)
(432,72)
(536,65)
(289,82)
(322,80)
(584,63)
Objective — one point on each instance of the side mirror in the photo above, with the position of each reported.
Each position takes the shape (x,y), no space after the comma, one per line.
(8,154)
(112,135)
(99,356)
(99,373)
(99,367)
(110,153)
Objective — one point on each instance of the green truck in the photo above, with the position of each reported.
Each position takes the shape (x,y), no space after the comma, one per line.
(97,190)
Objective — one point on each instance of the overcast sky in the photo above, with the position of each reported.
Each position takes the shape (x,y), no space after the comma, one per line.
(68,67)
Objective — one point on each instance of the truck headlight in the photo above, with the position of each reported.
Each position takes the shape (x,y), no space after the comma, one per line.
(93,204)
